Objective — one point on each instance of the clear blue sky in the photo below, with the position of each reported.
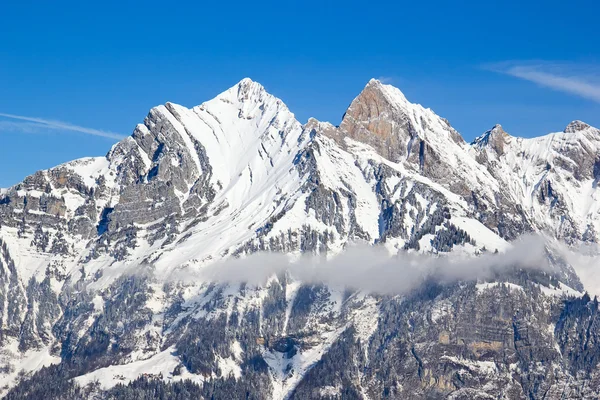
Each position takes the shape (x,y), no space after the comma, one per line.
(532,67)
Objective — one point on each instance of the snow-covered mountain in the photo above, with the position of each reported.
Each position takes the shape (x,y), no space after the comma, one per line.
(89,249)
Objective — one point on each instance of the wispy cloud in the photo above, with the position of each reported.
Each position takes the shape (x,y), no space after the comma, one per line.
(32,124)
(582,80)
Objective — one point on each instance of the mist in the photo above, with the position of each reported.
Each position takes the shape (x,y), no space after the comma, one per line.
(372,268)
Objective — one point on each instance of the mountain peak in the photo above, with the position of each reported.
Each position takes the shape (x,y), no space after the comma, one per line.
(375,100)
(247,88)
(494,138)
(576,126)
(246,92)
(248,83)
(389,92)
(369,117)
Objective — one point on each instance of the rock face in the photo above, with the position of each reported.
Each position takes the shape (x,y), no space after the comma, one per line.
(98,259)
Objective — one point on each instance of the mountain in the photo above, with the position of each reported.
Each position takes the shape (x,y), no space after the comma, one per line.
(100,259)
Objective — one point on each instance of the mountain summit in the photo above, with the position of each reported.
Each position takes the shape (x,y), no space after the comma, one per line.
(103,260)
(576,126)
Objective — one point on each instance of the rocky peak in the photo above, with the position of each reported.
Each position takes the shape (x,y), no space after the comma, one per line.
(494,138)
(392,93)
(380,116)
(377,99)
(576,126)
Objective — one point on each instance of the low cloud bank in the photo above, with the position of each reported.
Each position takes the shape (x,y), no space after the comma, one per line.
(372,269)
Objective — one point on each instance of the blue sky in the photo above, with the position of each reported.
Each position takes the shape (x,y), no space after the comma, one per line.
(99,67)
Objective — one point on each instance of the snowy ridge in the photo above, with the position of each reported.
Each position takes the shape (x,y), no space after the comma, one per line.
(553,177)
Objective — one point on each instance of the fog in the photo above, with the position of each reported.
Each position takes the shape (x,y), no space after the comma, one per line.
(372,269)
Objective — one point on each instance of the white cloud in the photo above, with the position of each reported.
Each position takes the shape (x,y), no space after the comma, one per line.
(372,269)
(32,124)
(579,80)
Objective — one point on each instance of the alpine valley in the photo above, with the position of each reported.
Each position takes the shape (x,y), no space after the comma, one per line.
(89,249)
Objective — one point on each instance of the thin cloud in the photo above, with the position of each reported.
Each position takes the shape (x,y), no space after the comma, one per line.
(579,80)
(388,80)
(32,124)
